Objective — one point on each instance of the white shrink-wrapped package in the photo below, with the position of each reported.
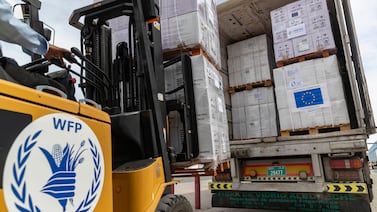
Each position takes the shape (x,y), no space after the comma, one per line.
(283,50)
(301,28)
(173,80)
(239,131)
(310,94)
(191,23)
(211,114)
(225,82)
(254,113)
(176,131)
(119,31)
(249,61)
(183,23)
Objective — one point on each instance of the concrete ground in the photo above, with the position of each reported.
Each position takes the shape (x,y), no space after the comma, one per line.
(374,203)
(186,188)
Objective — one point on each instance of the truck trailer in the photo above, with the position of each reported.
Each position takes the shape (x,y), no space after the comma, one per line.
(322,166)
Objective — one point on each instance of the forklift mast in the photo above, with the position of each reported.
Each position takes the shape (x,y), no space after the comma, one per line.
(131,89)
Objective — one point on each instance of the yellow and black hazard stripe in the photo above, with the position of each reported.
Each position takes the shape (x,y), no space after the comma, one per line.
(220,186)
(347,188)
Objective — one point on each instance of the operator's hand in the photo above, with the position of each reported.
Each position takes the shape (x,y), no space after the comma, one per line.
(58,53)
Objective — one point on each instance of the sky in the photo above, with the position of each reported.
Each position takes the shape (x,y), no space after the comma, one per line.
(365,17)
(56,13)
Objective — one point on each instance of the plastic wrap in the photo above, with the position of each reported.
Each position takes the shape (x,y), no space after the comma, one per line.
(191,23)
(310,94)
(254,113)
(249,61)
(301,28)
(211,114)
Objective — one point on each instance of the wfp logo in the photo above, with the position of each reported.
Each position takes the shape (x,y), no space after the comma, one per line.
(49,166)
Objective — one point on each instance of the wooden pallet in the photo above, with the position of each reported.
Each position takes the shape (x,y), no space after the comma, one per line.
(191,50)
(254,140)
(318,54)
(315,130)
(204,168)
(250,86)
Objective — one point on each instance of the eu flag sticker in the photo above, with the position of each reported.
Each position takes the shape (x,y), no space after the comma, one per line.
(308,98)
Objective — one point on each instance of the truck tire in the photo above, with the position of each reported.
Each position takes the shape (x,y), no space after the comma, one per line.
(174,203)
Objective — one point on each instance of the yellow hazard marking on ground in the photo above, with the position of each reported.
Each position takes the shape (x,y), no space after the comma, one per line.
(347,188)
(220,186)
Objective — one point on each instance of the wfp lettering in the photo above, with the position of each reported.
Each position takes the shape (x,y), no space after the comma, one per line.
(60,124)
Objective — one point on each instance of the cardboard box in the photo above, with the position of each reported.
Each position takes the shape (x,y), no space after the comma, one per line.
(184,24)
(281,36)
(303,45)
(238,115)
(234,63)
(233,50)
(191,23)
(190,30)
(255,110)
(301,22)
(176,131)
(297,9)
(164,31)
(261,121)
(237,100)
(258,96)
(119,23)
(248,46)
(315,6)
(236,78)
(249,61)
(323,40)
(310,94)
(172,8)
(211,112)
(279,19)
(173,80)
(239,131)
(283,50)
(319,21)
(225,81)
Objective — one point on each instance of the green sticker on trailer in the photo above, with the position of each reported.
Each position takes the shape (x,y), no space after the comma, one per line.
(276,171)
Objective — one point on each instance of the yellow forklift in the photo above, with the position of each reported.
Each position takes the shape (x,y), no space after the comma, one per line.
(106,152)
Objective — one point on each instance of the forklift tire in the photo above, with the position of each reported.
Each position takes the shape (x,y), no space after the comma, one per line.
(174,203)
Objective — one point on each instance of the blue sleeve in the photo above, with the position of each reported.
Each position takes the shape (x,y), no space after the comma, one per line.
(15,31)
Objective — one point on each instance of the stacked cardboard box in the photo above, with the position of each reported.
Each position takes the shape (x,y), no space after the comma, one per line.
(176,131)
(300,28)
(119,31)
(173,80)
(249,61)
(210,109)
(184,24)
(253,111)
(191,23)
(310,94)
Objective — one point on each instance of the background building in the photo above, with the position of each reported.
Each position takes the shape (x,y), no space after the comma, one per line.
(372,153)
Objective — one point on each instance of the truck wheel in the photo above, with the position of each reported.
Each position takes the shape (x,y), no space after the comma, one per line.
(174,203)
